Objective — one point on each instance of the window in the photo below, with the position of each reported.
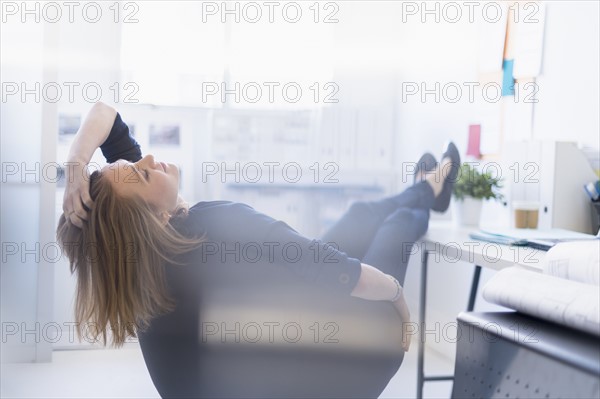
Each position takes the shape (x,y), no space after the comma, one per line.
(176,58)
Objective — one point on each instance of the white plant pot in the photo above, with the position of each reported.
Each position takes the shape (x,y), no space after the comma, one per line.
(466,212)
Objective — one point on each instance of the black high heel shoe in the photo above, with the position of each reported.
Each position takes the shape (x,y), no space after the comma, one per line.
(426,163)
(442,202)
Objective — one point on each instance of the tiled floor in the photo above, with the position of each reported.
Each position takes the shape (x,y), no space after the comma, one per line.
(121,373)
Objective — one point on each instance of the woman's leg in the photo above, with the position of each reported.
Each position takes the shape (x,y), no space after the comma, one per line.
(355,231)
(393,243)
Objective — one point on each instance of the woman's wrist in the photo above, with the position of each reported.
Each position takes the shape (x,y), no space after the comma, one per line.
(398,288)
(77,159)
(375,285)
(93,132)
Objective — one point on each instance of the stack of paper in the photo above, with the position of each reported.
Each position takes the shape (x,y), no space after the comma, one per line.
(567,292)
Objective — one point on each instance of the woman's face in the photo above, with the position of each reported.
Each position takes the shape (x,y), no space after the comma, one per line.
(155,182)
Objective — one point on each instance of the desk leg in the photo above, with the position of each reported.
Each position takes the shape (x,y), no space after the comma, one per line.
(422,304)
(474,286)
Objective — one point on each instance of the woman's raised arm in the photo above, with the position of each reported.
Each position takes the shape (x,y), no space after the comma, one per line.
(93,132)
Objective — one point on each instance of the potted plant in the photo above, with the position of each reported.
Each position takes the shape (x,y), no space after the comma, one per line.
(469,191)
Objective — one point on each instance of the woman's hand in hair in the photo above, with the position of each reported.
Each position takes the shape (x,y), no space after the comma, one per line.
(93,132)
(77,200)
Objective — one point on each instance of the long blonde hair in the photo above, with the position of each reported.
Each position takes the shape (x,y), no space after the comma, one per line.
(119,257)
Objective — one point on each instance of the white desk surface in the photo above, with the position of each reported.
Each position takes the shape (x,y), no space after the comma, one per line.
(451,243)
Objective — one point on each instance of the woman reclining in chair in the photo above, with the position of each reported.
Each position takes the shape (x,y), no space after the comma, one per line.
(125,227)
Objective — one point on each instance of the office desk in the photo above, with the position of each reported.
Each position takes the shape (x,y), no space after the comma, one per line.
(511,355)
(454,244)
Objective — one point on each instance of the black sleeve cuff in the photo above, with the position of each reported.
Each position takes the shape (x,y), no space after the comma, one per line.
(120,144)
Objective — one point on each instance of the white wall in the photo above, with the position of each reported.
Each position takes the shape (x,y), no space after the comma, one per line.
(21,131)
(569,83)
